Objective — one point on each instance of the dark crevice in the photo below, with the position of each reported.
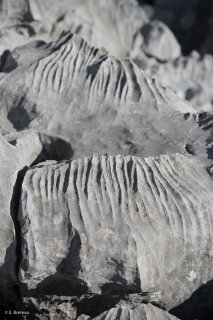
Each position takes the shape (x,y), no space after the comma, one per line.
(14,207)
(75,183)
(93,304)
(11,298)
(99,174)
(199,306)
(53,148)
(7,62)
(19,117)
(189,149)
(66,179)
(93,70)
(135,181)
(89,166)
(129,170)
(124,176)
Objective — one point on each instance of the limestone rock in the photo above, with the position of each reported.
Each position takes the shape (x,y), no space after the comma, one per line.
(160,42)
(51,307)
(106,166)
(15,154)
(118,224)
(191,78)
(135,312)
(94,102)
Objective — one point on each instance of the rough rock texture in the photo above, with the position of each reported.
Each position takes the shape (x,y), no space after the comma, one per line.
(52,307)
(108,166)
(191,77)
(57,308)
(159,42)
(16,154)
(95,102)
(118,224)
(136,312)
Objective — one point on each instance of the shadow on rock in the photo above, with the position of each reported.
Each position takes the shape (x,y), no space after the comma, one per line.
(199,306)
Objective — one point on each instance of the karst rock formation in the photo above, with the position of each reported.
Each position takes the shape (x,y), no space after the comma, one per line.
(106,160)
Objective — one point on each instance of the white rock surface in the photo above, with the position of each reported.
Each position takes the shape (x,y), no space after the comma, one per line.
(135,312)
(95,102)
(191,78)
(118,224)
(56,308)
(102,235)
(15,155)
(160,42)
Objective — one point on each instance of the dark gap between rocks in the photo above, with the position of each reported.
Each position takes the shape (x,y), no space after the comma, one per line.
(14,207)
(199,306)
(53,148)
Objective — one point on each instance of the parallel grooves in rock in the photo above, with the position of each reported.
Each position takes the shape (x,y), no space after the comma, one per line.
(71,65)
(112,202)
(135,312)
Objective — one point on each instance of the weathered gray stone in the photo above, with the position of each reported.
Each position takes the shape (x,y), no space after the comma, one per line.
(135,312)
(102,235)
(16,152)
(160,42)
(118,224)
(190,77)
(95,102)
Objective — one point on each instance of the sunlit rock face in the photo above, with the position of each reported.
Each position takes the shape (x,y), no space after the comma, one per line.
(106,196)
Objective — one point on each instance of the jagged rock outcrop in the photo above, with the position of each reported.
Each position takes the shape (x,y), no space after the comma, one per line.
(16,152)
(159,42)
(106,194)
(101,24)
(94,102)
(52,307)
(63,307)
(135,312)
(118,224)
(191,78)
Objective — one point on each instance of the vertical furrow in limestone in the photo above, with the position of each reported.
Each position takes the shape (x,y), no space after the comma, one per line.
(107,79)
(173,219)
(85,49)
(130,197)
(140,224)
(105,188)
(77,53)
(74,199)
(170,210)
(47,64)
(143,230)
(123,86)
(120,177)
(89,217)
(93,195)
(186,200)
(177,199)
(79,172)
(169,203)
(201,225)
(109,82)
(97,182)
(64,63)
(110,219)
(117,77)
(37,77)
(59,68)
(156,214)
(52,65)
(96,185)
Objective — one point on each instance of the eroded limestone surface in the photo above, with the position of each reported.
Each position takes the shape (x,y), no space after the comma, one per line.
(106,196)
